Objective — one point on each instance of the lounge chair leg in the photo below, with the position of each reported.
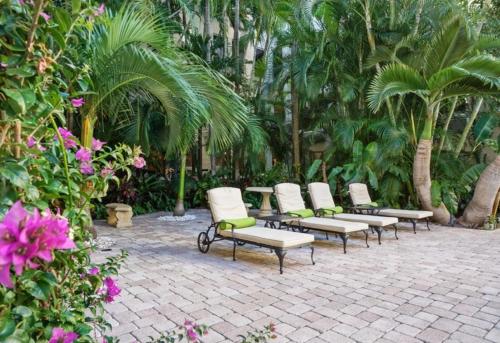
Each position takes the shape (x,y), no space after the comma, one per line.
(344,240)
(366,237)
(312,256)
(427,221)
(372,230)
(414,225)
(235,243)
(379,233)
(281,256)
(326,233)
(396,231)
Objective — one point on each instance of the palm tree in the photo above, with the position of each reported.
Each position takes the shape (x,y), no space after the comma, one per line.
(451,65)
(133,54)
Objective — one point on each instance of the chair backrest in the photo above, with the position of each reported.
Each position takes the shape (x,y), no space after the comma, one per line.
(321,197)
(359,194)
(226,203)
(289,197)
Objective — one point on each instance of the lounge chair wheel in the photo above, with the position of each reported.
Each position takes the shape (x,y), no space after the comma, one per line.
(240,243)
(203,242)
(303,230)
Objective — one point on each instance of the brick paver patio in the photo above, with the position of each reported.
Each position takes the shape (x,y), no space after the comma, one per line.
(435,286)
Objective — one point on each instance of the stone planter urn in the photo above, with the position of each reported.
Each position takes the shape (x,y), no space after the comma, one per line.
(119,215)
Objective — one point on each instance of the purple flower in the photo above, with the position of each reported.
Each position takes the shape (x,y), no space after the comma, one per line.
(26,238)
(93,271)
(45,16)
(100,10)
(86,168)
(110,290)
(83,155)
(139,162)
(67,137)
(192,335)
(107,171)
(31,142)
(78,102)
(3,65)
(97,144)
(65,134)
(61,336)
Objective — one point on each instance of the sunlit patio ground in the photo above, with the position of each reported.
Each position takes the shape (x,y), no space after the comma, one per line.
(438,285)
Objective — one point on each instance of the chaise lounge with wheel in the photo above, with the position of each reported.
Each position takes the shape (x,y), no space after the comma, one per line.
(324,206)
(363,204)
(290,203)
(231,222)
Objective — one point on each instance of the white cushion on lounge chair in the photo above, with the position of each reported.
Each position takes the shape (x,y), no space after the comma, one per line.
(226,203)
(368,219)
(408,214)
(271,237)
(289,197)
(359,194)
(321,196)
(330,224)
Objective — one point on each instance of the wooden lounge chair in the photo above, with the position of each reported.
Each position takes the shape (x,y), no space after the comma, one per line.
(231,222)
(363,204)
(324,206)
(290,202)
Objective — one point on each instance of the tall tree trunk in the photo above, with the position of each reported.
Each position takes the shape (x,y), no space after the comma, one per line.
(468,126)
(373,47)
(179,205)
(87,131)
(208,36)
(485,193)
(236,43)
(200,154)
(418,15)
(295,124)
(392,5)
(422,173)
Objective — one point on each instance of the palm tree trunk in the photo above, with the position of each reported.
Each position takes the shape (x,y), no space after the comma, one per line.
(422,173)
(236,43)
(392,5)
(295,129)
(208,36)
(418,14)
(485,193)
(179,205)
(467,128)
(373,47)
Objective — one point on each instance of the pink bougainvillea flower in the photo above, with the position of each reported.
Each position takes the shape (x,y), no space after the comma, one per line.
(86,168)
(100,10)
(27,239)
(97,144)
(139,162)
(61,336)
(93,271)
(83,155)
(107,171)
(67,136)
(45,16)
(30,142)
(65,133)
(110,290)
(77,102)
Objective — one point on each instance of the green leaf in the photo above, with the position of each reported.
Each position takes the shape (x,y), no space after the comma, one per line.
(484,126)
(62,18)
(372,179)
(24,71)
(436,193)
(15,99)
(22,311)
(75,6)
(7,327)
(16,174)
(313,169)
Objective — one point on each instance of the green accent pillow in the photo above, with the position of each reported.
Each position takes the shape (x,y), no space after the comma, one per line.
(238,223)
(373,204)
(306,213)
(332,210)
